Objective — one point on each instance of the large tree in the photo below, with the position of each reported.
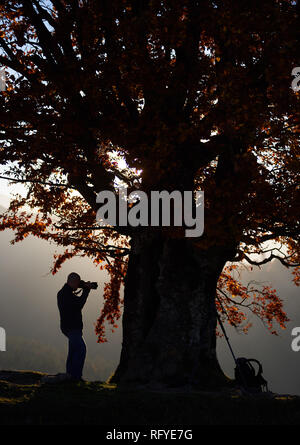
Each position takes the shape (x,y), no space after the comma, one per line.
(193,95)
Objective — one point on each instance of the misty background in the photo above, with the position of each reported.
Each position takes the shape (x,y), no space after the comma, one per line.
(29,315)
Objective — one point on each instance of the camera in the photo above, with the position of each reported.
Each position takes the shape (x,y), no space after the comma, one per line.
(83,285)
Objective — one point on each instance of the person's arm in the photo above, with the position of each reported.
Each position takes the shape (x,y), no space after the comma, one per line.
(83,297)
(68,299)
(80,301)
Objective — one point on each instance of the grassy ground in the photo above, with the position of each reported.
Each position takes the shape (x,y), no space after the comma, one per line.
(24,400)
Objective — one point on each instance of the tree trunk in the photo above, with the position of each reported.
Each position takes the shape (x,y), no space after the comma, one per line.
(169,319)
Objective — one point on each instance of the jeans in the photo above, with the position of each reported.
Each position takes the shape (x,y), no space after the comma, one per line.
(76,353)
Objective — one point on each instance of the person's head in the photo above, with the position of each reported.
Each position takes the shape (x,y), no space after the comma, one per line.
(73,280)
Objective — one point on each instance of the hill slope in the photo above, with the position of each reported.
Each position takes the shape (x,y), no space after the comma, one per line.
(24,400)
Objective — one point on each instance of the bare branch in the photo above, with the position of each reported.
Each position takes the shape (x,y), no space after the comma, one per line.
(36,181)
(267,260)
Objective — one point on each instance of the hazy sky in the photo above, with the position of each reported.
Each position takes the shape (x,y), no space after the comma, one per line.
(6,190)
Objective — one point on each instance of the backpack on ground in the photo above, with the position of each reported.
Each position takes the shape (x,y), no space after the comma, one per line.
(248,377)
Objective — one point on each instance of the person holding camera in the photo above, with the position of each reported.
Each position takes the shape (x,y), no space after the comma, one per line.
(70,306)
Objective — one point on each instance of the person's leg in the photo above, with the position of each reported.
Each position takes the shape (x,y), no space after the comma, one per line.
(70,351)
(69,357)
(76,354)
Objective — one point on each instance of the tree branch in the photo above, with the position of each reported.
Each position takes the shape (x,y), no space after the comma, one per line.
(36,181)
(267,260)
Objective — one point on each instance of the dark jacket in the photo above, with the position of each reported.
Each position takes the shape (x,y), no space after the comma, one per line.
(70,306)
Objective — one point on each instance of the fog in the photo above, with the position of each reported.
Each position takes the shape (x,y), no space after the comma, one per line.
(29,314)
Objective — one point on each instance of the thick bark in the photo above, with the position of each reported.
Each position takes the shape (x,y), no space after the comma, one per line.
(169,320)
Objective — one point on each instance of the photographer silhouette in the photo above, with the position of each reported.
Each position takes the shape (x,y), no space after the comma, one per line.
(70,306)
